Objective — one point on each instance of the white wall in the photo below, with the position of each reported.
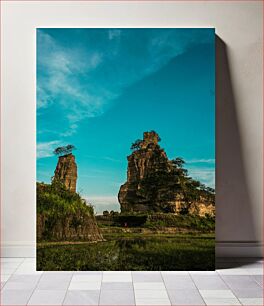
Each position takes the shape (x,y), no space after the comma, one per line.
(239,106)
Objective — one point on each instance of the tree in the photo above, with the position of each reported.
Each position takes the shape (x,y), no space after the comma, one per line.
(105,213)
(152,131)
(64,150)
(178,162)
(210,190)
(136,145)
(113,213)
(202,187)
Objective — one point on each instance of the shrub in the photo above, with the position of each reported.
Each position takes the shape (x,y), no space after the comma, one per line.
(194,222)
(130,220)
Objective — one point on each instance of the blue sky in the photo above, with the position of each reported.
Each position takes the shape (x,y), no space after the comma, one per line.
(100,89)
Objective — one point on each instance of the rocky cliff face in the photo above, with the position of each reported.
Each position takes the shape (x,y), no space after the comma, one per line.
(82,227)
(154,184)
(66,172)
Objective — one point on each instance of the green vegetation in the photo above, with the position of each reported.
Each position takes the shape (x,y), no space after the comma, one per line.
(177,180)
(56,201)
(158,221)
(136,145)
(189,222)
(130,220)
(132,252)
(122,249)
(59,210)
(172,178)
(64,150)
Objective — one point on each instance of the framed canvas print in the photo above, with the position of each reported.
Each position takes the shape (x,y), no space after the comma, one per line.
(125,149)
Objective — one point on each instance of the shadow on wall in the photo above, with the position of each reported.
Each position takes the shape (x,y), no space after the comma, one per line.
(234,216)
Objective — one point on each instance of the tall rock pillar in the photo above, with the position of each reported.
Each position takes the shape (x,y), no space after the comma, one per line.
(66,172)
(144,189)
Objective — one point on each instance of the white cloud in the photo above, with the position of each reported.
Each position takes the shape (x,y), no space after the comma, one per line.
(45,149)
(205,161)
(44,99)
(204,175)
(61,67)
(102,203)
(69,75)
(72,130)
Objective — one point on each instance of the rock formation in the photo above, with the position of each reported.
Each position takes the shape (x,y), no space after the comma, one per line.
(66,172)
(62,214)
(63,229)
(155,184)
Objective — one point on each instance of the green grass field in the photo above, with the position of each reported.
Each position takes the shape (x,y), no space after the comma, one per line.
(131,252)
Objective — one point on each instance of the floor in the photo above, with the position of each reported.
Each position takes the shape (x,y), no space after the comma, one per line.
(236,282)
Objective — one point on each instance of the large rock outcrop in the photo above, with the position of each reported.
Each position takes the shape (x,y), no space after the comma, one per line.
(63,215)
(66,172)
(155,184)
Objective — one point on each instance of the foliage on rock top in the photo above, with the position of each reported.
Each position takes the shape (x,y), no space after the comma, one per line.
(55,200)
(64,150)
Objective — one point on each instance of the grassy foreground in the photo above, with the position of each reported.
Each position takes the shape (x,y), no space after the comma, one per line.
(131,252)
